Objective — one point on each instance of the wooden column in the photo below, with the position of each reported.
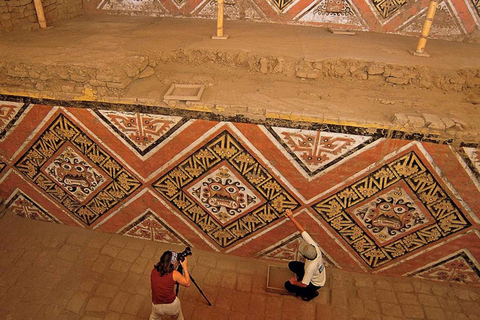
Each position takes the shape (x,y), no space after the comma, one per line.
(427,24)
(220,35)
(40,14)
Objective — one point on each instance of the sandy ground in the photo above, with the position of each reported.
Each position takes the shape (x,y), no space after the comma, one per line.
(83,274)
(181,49)
(344,99)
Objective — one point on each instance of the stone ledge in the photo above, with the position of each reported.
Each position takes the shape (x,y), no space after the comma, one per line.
(117,77)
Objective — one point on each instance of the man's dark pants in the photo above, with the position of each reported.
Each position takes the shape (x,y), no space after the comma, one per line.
(308,292)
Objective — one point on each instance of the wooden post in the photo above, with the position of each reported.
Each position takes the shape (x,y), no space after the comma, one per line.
(219,35)
(40,14)
(427,24)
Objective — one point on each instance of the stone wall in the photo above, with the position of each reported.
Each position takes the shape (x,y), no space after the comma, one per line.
(107,82)
(20,14)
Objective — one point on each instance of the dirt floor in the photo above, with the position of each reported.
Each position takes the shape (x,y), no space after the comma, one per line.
(81,274)
(344,99)
(279,69)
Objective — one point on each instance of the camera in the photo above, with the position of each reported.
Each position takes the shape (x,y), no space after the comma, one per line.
(182,255)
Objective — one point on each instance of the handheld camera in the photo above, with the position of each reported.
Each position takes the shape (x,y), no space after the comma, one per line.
(182,255)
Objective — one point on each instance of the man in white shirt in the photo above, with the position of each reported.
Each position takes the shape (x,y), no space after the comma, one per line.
(311,275)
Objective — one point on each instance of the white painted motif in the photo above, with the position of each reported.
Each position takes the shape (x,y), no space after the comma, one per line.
(316,12)
(143,7)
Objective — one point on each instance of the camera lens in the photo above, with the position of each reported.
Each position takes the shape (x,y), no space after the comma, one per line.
(181,256)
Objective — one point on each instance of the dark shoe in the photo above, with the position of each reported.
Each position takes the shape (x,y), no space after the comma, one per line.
(308,298)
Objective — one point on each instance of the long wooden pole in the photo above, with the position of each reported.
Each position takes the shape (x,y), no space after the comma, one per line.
(427,24)
(220,18)
(220,34)
(40,14)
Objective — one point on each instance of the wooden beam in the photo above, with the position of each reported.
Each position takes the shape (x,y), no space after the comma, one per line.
(220,35)
(427,24)
(40,14)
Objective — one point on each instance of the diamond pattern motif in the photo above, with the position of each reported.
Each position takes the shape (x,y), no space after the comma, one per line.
(457,17)
(317,150)
(386,8)
(287,250)
(476,5)
(393,206)
(368,244)
(318,12)
(473,159)
(459,268)
(224,195)
(63,135)
(225,150)
(73,172)
(143,132)
(23,206)
(10,112)
(391,215)
(150,226)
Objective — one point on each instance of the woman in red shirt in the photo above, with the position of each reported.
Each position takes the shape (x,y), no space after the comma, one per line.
(163,278)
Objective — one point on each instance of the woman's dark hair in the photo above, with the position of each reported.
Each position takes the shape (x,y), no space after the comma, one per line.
(164,266)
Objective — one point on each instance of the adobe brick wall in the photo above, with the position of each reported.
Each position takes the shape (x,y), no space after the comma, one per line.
(20,14)
(64,81)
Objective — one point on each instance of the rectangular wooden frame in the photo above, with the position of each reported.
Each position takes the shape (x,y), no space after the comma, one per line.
(171,96)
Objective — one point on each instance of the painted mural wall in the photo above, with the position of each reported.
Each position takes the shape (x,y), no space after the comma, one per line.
(454,19)
(391,203)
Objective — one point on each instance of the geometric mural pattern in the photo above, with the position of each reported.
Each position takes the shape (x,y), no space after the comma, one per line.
(476,5)
(390,226)
(208,9)
(377,201)
(153,6)
(142,132)
(224,195)
(452,19)
(287,250)
(391,215)
(76,172)
(23,206)
(280,5)
(314,150)
(459,267)
(449,26)
(386,8)
(150,226)
(388,16)
(224,151)
(179,3)
(318,12)
(471,155)
(10,112)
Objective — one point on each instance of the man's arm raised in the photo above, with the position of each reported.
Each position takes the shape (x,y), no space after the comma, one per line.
(289,215)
